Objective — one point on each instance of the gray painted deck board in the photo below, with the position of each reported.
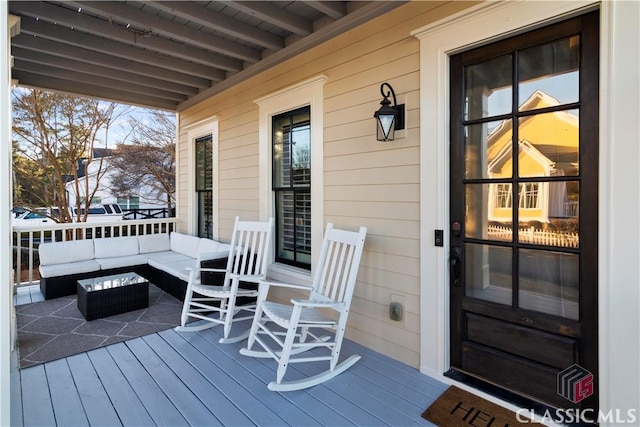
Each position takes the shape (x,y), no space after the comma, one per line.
(187,403)
(67,405)
(199,382)
(16,391)
(257,411)
(36,401)
(152,397)
(172,378)
(322,413)
(130,409)
(92,392)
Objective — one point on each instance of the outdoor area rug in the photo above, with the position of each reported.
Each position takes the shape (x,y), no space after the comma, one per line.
(55,328)
(458,408)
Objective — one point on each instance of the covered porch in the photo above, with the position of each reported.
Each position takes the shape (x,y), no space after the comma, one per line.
(399,190)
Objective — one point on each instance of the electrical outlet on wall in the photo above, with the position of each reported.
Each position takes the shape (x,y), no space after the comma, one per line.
(397,308)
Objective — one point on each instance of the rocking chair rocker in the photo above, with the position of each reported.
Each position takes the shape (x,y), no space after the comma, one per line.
(288,326)
(247,262)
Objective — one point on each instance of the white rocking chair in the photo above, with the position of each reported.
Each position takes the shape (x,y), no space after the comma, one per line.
(332,289)
(247,262)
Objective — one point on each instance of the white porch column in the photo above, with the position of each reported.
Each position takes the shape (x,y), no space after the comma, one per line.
(5,217)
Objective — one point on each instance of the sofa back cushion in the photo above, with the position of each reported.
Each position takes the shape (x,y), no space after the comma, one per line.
(185,244)
(52,253)
(116,247)
(210,249)
(149,243)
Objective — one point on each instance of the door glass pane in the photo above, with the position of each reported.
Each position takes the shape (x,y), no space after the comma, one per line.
(549,282)
(488,149)
(548,213)
(488,273)
(488,88)
(489,211)
(549,144)
(548,74)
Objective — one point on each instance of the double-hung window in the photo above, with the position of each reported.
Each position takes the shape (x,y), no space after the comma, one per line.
(291,185)
(204,185)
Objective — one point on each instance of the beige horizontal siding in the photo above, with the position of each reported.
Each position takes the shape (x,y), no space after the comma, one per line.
(365,182)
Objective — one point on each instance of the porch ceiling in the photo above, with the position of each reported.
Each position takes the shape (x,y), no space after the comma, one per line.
(168,54)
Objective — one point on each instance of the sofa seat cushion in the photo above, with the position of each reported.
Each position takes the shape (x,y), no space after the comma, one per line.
(65,269)
(179,269)
(54,253)
(121,261)
(157,259)
(185,244)
(148,243)
(116,247)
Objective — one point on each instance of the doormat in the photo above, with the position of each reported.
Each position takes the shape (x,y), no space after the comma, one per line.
(459,408)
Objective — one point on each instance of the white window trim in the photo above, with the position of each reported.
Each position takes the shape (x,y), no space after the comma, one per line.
(202,128)
(309,92)
(476,26)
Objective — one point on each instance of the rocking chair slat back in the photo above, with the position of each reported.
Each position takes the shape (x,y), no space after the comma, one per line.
(339,270)
(250,251)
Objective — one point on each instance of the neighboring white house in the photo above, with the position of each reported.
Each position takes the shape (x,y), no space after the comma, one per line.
(99,172)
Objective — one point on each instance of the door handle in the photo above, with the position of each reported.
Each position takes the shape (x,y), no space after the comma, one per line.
(455,261)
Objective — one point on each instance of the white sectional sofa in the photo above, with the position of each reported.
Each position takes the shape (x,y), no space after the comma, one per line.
(163,259)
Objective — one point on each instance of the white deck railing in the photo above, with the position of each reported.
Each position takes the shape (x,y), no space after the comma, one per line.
(26,239)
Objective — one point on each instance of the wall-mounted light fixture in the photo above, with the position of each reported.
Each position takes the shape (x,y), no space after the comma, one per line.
(388,118)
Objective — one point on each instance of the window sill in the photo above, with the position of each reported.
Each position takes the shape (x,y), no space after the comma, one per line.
(289,274)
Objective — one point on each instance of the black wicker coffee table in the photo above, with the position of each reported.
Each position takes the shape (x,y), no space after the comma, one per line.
(108,295)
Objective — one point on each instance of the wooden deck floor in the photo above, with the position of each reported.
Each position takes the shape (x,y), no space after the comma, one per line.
(176,379)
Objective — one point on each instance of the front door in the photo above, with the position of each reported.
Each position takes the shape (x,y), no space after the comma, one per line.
(524,224)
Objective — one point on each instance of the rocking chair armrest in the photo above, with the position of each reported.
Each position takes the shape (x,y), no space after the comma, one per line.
(264,283)
(247,277)
(319,304)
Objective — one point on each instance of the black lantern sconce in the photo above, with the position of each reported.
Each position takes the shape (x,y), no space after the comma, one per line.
(388,119)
